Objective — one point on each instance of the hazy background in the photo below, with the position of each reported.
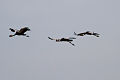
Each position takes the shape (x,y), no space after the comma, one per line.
(38,58)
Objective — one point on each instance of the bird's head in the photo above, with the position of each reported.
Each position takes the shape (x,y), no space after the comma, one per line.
(10,35)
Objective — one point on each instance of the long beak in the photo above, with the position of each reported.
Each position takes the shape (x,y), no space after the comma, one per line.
(51,38)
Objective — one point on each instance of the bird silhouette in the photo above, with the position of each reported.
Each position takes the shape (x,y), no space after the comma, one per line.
(69,40)
(87,33)
(19,32)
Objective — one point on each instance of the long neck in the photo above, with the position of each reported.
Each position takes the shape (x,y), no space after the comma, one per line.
(11,35)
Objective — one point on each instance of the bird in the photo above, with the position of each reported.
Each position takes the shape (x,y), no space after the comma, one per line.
(69,40)
(87,33)
(19,32)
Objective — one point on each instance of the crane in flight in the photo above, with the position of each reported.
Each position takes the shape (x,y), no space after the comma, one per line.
(69,40)
(19,32)
(87,33)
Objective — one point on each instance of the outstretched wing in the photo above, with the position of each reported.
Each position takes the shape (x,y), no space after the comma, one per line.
(23,30)
(12,29)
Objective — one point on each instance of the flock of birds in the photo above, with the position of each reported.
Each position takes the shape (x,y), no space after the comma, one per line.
(69,40)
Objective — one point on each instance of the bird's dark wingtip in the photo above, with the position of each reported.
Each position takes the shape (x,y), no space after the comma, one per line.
(12,29)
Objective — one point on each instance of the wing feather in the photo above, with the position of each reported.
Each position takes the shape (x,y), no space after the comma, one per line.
(12,29)
(23,30)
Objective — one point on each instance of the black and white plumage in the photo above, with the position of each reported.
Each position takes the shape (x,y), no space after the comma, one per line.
(20,32)
(87,33)
(70,39)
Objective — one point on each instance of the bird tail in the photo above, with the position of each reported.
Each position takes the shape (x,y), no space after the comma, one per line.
(96,34)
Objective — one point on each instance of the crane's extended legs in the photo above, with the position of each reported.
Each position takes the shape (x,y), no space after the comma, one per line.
(72,43)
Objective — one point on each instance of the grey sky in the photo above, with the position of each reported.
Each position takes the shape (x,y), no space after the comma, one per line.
(38,58)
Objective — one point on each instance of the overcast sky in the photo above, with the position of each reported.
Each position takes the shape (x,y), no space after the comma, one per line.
(38,58)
